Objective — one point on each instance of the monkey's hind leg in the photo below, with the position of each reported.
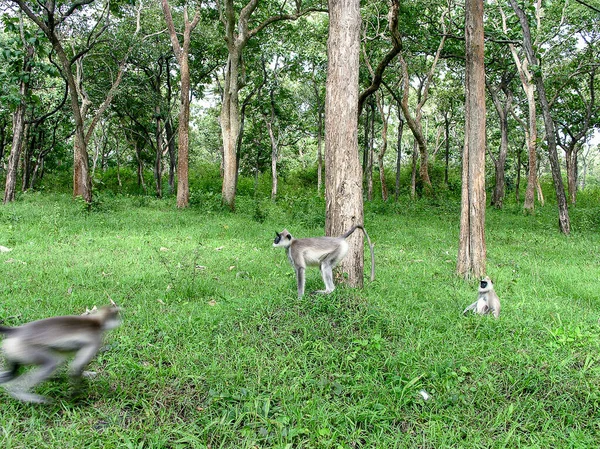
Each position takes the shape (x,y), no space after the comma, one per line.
(327,275)
(48,363)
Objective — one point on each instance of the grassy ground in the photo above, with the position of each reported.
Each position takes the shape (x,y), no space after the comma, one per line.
(216,350)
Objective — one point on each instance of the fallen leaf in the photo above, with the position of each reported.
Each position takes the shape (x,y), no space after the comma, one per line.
(162,248)
(231,267)
(219,248)
(212,302)
(161,301)
(200,267)
(4,249)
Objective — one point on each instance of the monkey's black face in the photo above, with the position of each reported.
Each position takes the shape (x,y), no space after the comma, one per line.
(277,239)
(483,284)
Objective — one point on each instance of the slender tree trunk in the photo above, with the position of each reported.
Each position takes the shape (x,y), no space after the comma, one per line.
(365,161)
(561,200)
(382,151)
(343,188)
(320,152)
(518,182)
(413,176)
(18,130)
(27,155)
(398,152)
(181,52)
(158,154)
(528,205)
(172,153)
(370,155)
(571,162)
(502,109)
(472,250)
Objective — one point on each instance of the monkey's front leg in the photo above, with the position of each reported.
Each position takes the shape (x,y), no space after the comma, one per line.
(300,281)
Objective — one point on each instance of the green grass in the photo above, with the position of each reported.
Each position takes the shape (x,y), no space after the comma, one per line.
(216,350)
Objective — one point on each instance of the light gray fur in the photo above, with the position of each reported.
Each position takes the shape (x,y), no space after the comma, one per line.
(324,252)
(487,300)
(47,343)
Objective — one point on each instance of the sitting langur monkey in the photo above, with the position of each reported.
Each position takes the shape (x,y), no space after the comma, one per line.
(487,300)
(325,252)
(46,344)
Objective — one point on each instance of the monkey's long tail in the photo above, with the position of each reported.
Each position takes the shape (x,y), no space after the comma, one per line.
(350,231)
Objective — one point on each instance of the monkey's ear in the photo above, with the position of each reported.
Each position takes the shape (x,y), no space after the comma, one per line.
(289,237)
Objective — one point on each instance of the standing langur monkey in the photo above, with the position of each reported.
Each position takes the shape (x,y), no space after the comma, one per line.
(324,252)
(46,344)
(487,300)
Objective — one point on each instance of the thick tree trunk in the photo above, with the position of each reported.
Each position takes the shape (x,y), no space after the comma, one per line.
(230,129)
(342,167)
(183,188)
(472,250)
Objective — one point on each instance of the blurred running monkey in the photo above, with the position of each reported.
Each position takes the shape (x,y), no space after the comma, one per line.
(47,343)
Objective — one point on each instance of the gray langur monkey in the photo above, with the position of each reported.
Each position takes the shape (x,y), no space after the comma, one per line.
(487,300)
(325,252)
(46,344)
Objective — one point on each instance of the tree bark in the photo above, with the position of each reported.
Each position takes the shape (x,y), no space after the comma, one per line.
(502,110)
(382,151)
(399,151)
(472,250)
(18,128)
(561,200)
(181,52)
(343,188)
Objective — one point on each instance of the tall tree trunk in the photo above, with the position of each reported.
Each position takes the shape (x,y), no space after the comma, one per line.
(230,128)
(502,109)
(365,161)
(369,171)
(181,52)
(172,153)
(571,160)
(158,135)
(518,181)
(27,155)
(561,200)
(343,188)
(18,129)
(413,176)
(472,250)
(382,151)
(399,152)
(320,151)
